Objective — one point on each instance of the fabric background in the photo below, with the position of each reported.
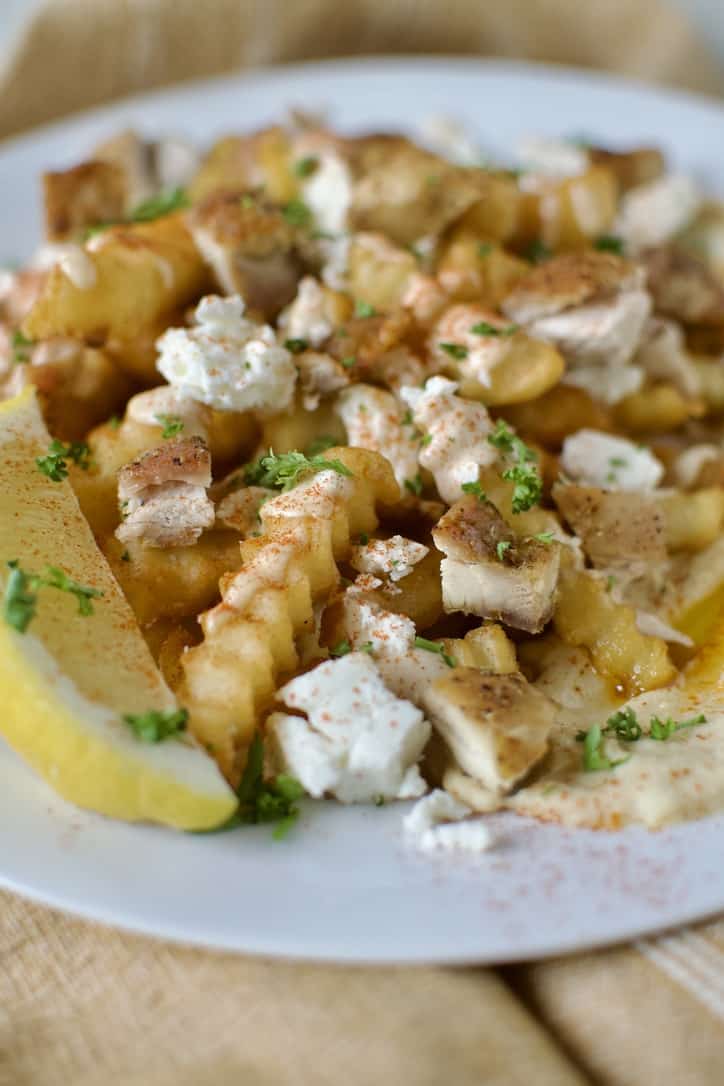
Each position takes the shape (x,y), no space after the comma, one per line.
(85,1006)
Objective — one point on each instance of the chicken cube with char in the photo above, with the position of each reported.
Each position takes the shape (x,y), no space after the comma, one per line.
(618,528)
(488,572)
(495,726)
(683,287)
(250,247)
(86,195)
(163,495)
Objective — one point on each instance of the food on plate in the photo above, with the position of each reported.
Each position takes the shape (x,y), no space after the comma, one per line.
(347,467)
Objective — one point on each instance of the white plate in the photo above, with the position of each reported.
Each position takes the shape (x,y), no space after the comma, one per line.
(344,886)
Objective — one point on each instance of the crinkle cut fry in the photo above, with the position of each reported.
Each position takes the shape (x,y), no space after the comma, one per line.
(251,638)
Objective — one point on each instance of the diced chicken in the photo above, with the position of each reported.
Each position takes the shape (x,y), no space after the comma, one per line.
(320,376)
(653,213)
(456,431)
(597,459)
(569,280)
(250,247)
(683,287)
(488,572)
(240,509)
(392,558)
(373,420)
(149,166)
(617,528)
(88,194)
(163,495)
(496,726)
(639,166)
(663,356)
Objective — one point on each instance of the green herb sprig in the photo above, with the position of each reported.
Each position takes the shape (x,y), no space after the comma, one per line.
(523,473)
(285,471)
(435,646)
(20,599)
(157,724)
(55,462)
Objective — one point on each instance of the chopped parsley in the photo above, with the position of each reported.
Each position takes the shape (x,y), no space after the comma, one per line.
(610,583)
(296,346)
(476,489)
(162,204)
(543,537)
(21,347)
(537,252)
(455,350)
(485,248)
(321,444)
(625,726)
(285,471)
(247,201)
(114,422)
(414,485)
(594,756)
(662,730)
(501,549)
(55,462)
(267,801)
(617,461)
(407,418)
(172,425)
(126,557)
(368,646)
(608,243)
(484,328)
(157,724)
(364,309)
(340,649)
(297,213)
(426,440)
(303,167)
(21,593)
(523,473)
(348,362)
(435,646)
(363,538)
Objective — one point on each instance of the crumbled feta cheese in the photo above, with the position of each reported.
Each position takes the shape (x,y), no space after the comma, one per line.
(448,137)
(305,318)
(372,418)
(653,626)
(358,742)
(394,558)
(608,385)
(176,163)
(149,408)
(435,823)
(327,192)
(597,459)
(606,334)
(653,213)
(227,361)
(552,158)
(458,431)
(689,463)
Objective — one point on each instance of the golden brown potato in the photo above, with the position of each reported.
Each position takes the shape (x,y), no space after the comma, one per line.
(261,160)
(496,212)
(568,214)
(379,272)
(692,520)
(299,428)
(560,412)
(657,408)
(630,168)
(124,282)
(419,595)
(88,194)
(475,269)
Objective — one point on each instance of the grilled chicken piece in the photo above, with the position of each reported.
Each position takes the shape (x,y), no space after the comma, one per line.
(683,287)
(631,168)
(319,376)
(88,194)
(663,356)
(148,166)
(618,528)
(163,495)
(591,305)
(496,726)
(488,572)
(250,247)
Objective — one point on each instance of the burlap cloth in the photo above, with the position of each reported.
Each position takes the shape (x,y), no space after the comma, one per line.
(84,1006)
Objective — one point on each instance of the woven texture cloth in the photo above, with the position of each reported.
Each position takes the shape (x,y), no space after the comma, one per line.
(85,1006)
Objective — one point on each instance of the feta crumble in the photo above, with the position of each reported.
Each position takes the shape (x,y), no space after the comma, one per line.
(358,742)
(227,361)
(435,824)
(305,318)
(373,420)
(653,213)
(612,463)
(394,558)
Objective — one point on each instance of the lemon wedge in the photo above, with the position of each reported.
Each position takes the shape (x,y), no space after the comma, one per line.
(69,679)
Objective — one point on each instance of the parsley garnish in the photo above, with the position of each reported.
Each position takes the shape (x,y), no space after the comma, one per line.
(625,726)
(55,463)
(528,485)
(321,444)
(594,756)
(455,350)
(610,583)
(484,328)
(425,440)
(543,537)
(247,201)
(407,419)
(414,485)
(435,646)
(126,557)
(21,593)
(283,472)
(340,649)
(172,425)
(501,548)
(296,346)
(485,248)
(364,538)
(608,243)
(348,362)
(537,252)
(364,309)
(267,801)
(157,724)
(21,347)
(297,213)
(476,489)
(662,730)
(303,167)
(114,422)
(368,646)
(617,461)
(162,204)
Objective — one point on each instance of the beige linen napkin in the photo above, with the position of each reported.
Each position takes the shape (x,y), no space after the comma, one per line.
(85,1006)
